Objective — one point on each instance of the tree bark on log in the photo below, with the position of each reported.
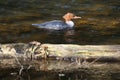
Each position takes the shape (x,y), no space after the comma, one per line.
(21,54)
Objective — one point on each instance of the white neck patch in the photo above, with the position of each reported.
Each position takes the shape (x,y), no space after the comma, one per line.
(70,23)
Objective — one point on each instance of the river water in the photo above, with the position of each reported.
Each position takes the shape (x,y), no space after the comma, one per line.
(101,71)
(100,24)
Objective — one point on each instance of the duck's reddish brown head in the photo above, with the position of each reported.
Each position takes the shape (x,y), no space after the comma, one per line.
(68,16)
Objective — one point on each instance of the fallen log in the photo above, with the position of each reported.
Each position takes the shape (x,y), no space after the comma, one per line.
(35,54)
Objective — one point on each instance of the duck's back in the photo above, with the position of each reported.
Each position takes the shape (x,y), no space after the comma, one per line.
(54,25)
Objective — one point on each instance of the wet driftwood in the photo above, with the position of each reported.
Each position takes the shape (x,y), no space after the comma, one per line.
(35,49)
(35,54)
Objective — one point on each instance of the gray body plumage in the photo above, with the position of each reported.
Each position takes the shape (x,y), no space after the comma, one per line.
(53,25)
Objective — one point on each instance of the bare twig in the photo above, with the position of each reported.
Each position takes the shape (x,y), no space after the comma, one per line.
(20,71)
(94,60)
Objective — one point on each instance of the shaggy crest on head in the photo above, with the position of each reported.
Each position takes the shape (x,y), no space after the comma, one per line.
(70,16)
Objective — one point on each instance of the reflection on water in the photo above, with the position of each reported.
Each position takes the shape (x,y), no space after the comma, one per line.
(98,72)
(99,24)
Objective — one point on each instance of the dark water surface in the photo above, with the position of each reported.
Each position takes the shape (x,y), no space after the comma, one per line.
(103,71)
(100,23)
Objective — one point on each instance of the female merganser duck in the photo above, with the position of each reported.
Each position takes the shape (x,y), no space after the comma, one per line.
(59,25)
